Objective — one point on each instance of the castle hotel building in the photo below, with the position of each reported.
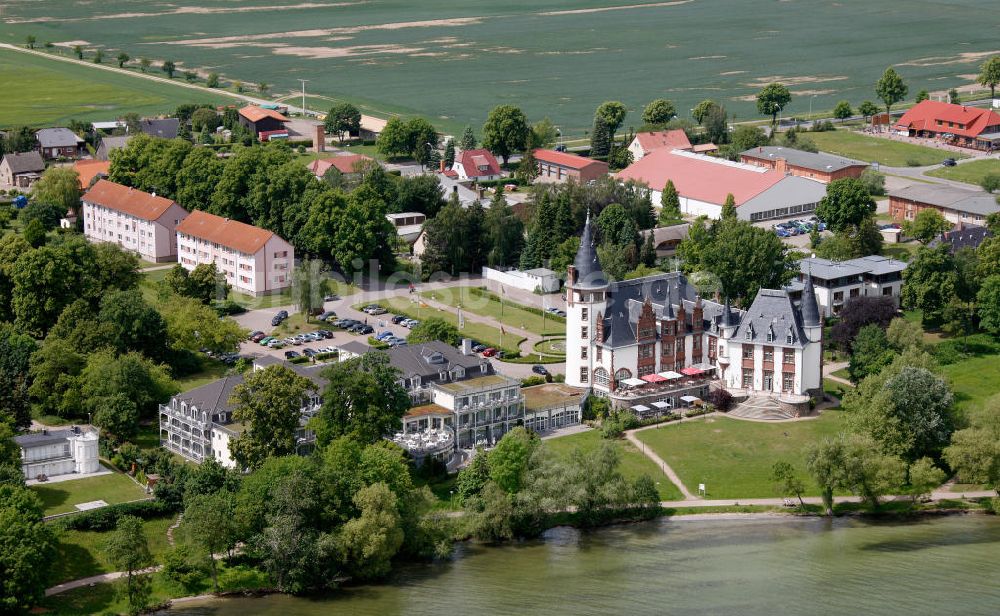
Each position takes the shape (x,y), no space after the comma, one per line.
(622,336)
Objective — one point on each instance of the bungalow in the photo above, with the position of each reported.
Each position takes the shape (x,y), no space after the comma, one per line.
(555,166)
(645,143)
(347,165)
(960,125)
(20,170)
(254,261)
(815,166)
(58,143)
(477,165)
(265,123)
(958,205)
(109,144)
(135,220)
(408,225)
(703,183)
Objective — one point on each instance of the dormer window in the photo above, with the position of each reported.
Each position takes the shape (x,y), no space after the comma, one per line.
(770,336)
(443,375)
(789,338)
(749,334)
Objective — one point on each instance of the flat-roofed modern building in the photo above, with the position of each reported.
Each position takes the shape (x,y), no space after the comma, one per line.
(836,282)
(137,221)
(821,167)
(254,261)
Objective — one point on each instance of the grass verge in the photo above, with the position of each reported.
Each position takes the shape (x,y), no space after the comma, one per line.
(62,497)
(971,172)
(878,149)
(479,301)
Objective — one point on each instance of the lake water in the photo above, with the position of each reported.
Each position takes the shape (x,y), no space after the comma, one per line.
(762,566)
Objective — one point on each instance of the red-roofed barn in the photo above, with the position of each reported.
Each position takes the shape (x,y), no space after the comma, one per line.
(266,124)
(554,166)
(956,124)
(347,165)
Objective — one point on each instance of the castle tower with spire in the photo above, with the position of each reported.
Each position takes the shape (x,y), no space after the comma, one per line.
(586,302)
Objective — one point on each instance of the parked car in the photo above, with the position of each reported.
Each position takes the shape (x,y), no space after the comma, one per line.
(325,333)
(309,353)
(396,342)
(411,323)
(366,329)
(478,348)
(383,336)
(326,315)
(276,344)
(489,352)
(539,370)
(292,354)
(949,162)
(781,232)
(254,333)
(377,310)
(266,339)
(396,320)
(561,313)
(258,336)
(331,298)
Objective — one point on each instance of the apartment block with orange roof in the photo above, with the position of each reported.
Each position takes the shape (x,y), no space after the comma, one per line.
(254,261)
(137,221)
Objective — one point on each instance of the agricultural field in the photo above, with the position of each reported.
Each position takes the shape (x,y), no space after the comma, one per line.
(452,62)
(878,149)
(41,91)
(971,172)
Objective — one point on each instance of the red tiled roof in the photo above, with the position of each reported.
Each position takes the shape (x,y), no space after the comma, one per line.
(654,140)
(563,159)
(256,114)
(88,169)
(239,236)
(473,159)
(925,115)
(344,164)
(127,200)
(701,177)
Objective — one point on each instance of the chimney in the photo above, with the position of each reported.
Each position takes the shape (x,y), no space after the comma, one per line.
(781,166)
(319,139)
(466,347)
(441,166)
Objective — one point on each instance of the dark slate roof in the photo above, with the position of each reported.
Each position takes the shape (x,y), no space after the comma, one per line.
(772,310)
(215,396)
(666,294)
(57,138)
(589,274)
(43,438)
(969,237)
(428,359)
(165,127)
(25,162)
(827,163)
(959,199)
(825,269)
(810,308)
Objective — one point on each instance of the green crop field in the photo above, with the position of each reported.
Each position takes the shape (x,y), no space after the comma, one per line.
(452,62)
(41,91)
(971,172)
(879,149)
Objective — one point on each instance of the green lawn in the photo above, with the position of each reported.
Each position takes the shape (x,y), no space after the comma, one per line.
(971,172)
(876,149)
(81,553)
(53,92)
(211,370)
(973,379)
(835,388)
(62,496)
(486,334)
(733,458)
(477,301)
(633,462)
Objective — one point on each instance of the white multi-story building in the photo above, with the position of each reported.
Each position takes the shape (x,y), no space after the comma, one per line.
(254,261)
(836,282)
(135,220)
(654,340)
(58,452)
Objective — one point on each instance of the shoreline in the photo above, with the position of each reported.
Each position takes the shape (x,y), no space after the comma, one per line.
(891,516)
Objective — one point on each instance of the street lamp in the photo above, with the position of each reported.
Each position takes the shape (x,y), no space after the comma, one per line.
(303,96)
(430,148)
(811,106)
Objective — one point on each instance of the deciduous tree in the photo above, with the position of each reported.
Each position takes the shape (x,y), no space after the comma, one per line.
(890,88)
(843,110)
(867,109)
(989,75)
(27,549)
(343,118)
(269,404)
(659,111)
(771,100)
(927,225)
(169,68)
(363,400)
(505,131)
(433,329)
(209,524)
(122,59)
(845,204)
(128,550)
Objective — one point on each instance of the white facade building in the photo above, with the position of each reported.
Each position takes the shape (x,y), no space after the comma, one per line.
(836,282)
(137,221)
(621,336)
(254,261)
(540,278)
(58,452)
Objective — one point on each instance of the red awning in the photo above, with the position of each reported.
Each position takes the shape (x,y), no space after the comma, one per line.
(692,371)
(653,378)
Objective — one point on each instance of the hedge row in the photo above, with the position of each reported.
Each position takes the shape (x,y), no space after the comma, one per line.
(106,518)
